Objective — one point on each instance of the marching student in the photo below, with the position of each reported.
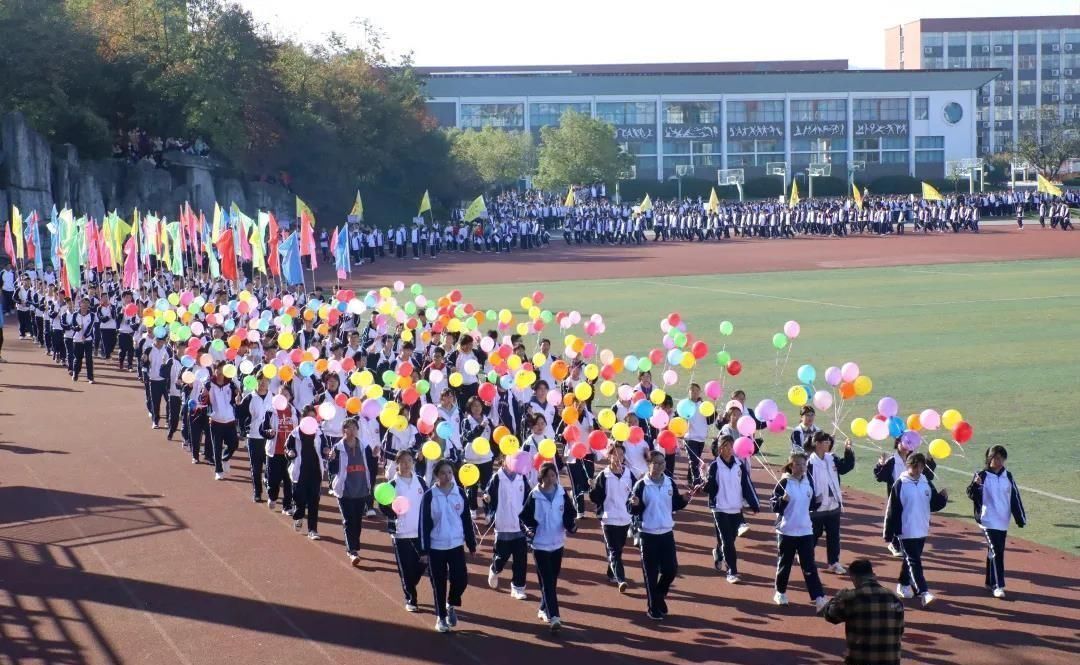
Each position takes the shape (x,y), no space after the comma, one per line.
(802,437)
(655,499)
(82,325)
(306,466)
(825,470)
(404,527)
(548,515)
(505,497)
(253,410)
(728,486)
(349,462)
(793,500)
(695,437)
(277,426)
(445,531)
(157,362)
(996,499)
(476,424)
(907,518)
(609,491)
(222,397)
(888,470)
(174,407)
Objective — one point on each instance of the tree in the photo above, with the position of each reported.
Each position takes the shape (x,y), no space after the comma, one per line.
(580,150)
(1055,143)
(497,156)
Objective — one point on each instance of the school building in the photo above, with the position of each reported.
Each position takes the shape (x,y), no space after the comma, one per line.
(695,119)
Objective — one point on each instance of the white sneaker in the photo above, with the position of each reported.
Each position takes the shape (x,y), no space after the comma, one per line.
(472,515)
(517,593)
(410,607)
(225,465)
(733,579)
(622,587)
(542,615)
(894,551)
(370,512)
(353,559)
(311,535)
(493,578)
(838,568)
(743,528)
(219,476)
(904,591)
(194,461)
(285,511)
(999,592)
(441,626)
(819,604)
(298,525)
(556,624)
(270,504)
(927,598)
(780,598)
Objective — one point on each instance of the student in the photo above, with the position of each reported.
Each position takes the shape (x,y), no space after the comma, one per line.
(404,528)
(349,462)
(505,498)
(793,500)
(610,490)
(802,436)
(996,498)
(548,515)
(655,499)
(253,409)
(445,531)
(277,427)
(476,424)
(888,470)
(907,518)
(82,325)
(222,398)
(728,486)
(695,437)
(825,470)
(306,471)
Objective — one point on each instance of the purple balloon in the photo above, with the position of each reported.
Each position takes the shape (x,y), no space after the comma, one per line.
(833,376)
(887,407)
(521,463)
(371,408)
(910,440)
(766,410)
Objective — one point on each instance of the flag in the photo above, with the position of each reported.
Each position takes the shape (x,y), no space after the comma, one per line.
(570,201)
(646,205)
(357,212)
(9,247)
(91,245)
(28,231)
(17,231)
(39,260)
(857,196)
(794,200)
(340,244)
(131,264)
(929,193)
(476,209)
(274,238)
(165,255)
(227,249)
(714,201)
(1046,186)
(175,232)
(215,231)
(258,252)
(291,268)
(211,257)
(72,264)
(307,232)
(243,232)
(425,203)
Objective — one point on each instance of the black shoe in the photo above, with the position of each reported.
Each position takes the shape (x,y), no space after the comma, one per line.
(654,616)
(256,499)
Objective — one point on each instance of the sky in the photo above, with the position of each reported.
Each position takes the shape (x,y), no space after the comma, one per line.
(562,32)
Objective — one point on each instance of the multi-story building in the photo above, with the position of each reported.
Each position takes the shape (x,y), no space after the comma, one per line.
(734,115)
(1039,57)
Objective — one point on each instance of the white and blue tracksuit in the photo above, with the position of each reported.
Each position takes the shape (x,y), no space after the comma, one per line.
(996,499)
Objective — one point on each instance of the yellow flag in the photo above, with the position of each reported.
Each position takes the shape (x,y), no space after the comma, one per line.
(794,200)
(857,196)
(714,201)
(215,230)
(425,203)
(258,251)
(570,200)
(646,204)
(929,193)
(357,207)
(17,230)
(1047,187)
(166,252)
(475,209)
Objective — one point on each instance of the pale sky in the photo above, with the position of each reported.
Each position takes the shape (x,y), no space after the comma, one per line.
(562,32)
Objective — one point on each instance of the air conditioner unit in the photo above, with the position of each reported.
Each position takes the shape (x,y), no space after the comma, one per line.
(1054,73)
(1068,98)
(1068,47)
(1068,73)
(1055,98)
(985,48)
(1055,47)
(997,48)
(997,99)
(927,50)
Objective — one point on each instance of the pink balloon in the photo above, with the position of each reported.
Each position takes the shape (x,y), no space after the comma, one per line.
(428,413)
(400,505)
(308,425)
(792,329)
(279,402)
(371,408)
(878,430)
(766,409)
(626,391)
(589,350)
(930,419)
(822,400)
(670,377)
(849,372)
(779,423)
(833,376)
(746,425)
(713,390)
(743,448)
(659,419)
(521,462)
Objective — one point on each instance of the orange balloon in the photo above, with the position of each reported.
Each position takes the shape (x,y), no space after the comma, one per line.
(309,315)
(570,414)
(405,382)
(307,357)
(847,390)
(234,342)
(208,308)
(579,345)
(913,422)
(353,404)
(499,433)
(568,399)
(323,329)
(320,365)
(286,373)
(617,365)
(479,316)
(559,370)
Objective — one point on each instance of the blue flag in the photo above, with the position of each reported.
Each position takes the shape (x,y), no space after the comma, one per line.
(291,268)
(341,252)
(39,260)
(54,238)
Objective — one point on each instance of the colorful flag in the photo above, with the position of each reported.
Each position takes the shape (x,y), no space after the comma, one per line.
(215,231)
(646,204)
(425,203)
(570,201)
(929,193)
(357,212)
(17,231)
(227,249)
(714,201)
(258,251)
(39,260)
(274,237)
(131,264)
(1046,186)
(794,200)
(340,243)
(307,232)
(291,269)
(211,258)
(9,247)
(857,196)
(475,209)
(72,264)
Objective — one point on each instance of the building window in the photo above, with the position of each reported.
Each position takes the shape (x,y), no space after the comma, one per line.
(1003,140)
(756,111)
(818,110)
(627,113)
(922,108)
(932,39)
(929,142)
(1026,37)
(1003,112)
(549,113)
(1025,62)
(881,110)
(692,113)
(508,116)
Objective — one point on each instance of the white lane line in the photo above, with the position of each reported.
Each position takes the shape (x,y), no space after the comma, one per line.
(940,272)
(981,300)
(1031,490)
(754,295)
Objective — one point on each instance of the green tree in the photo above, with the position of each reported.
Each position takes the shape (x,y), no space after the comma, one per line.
(498,157)
(580,150)
(1048,150)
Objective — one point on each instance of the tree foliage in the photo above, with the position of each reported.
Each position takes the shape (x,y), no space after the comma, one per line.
(580,150)
(1056,142)
(497,157)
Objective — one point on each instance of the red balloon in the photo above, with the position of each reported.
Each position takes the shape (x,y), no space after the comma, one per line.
(962,432)
(637,397)
(538,297)
(637,435)
(409,396)
(668,441)
(734,367)
(597,440)
(572,433)
(275,304)
(297,356)
(538,462)
(424,427)
(348,364)
(341,399)
(674,318)
(656,356)
(469,309)
(699,349)
(405,369)
(505,350)
(455,296)
(486,392)
(578,450)
(608,372)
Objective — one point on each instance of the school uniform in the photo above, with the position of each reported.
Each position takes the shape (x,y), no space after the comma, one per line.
(157,363)
(506,493)
(350,482)
(471,428)
(404,531)
(548,517)
(82,344)
(610,492)
(253,409)
(794,531)
(277,427)
(222,415)
(446,529)
(995,499)
(306,472)
(657,503)
(907,518)
(728,486)
(826,472)
(801,436)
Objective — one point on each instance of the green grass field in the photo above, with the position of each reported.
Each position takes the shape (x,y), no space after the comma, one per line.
(996,341)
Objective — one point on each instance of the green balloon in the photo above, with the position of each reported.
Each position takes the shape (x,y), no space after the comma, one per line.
(546,316)
(217,345)
(410,308)
(431,313)
(726,328)
(491,315)
(416,289)
(250,383)
(779,340)
(723,358)
(385,494)
(388,377)
(644,365)
(422,386)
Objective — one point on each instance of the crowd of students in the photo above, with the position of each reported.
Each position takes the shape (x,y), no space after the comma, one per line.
(303,442)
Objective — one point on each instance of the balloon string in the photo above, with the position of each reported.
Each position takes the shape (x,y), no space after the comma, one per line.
(766,467)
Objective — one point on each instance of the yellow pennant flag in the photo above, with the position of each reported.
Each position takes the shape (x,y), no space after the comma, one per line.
(303,211)
(17,231)
(425,204)
(646,204)
(714,201)
(570,200)
(166,252)
(857,196)
(1047,187)
(475,209)
(357,207)
(794,200)
(215,230)
(929,193)
(258,251)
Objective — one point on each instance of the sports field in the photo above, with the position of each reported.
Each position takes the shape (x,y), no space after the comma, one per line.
(996,341)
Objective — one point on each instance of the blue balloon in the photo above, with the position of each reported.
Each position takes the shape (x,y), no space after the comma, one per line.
(191,405)
(631,363)
(160,332)
(807,374)
(229,325)
(674,356)
(896,426)
(644,409)
(307,368)
(444,430)
(686,408)
(187,361)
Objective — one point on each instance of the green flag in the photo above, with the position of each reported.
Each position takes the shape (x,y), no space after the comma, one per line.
(258,253)
(177,265)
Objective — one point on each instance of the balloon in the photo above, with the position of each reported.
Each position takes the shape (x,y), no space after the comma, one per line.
(578,450)
(862,385)
(486,391)
(962,432)
(743,448)
(509,445)
(726,328)
(779,340)
(500,432)
(431,451)
(400,505)
(620,432)
(833,376)
(546,449)
(913,422)
(806,374)
(385,494)
(699,349)
(849,372)
(887,407)
(606,418)
(746,425)
(570,415)
(583,391)
(896,426)
(792,329)
(308,425)
(707,409)
(445,430)
(429,412)
(657,396)
(468,474)
(597,440)
(667,441)
(940,449)
(679,426)
(644,409)
(734,367)
(659,419)
(878,430)
(847,390)
(686,408)
(951,418)
(910,440)
(353,405)
(779,423)
(858,427)
(481,446)
(929,419)
(279,402)
(822,400)
(713,390)
(327,410)
(797,395)
(572,433)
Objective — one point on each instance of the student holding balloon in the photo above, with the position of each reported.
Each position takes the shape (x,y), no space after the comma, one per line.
(445,531)
(505,498)
(907,519)
(305,449)
(654,499)
(476,424)
(277,426)
(609,491)
(548,515)
(728,487)
(401,505)
(825,470)
(349,461)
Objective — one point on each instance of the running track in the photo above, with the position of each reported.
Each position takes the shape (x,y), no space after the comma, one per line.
(115,549)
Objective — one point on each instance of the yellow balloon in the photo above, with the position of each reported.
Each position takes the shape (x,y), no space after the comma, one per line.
(365,378)
(687,360)
(620,432)
(387,419)
(657,396)
(285,340)
(523,329)
(509,445)
(534,312)
(546,449)
(706,409)
(229,371)
(269,371)
(606,418)
(431,451)
(514,363)
(481,446)
(401,424)
(454,325)
(526,302)
(539,359)
(393,408)
(951,418)
(858,427)
(373,392)
(797,395)
(940,449)
(170,316)
(679,426)
(582,391)
(591,372)
(406,335)
(863,386)
(607,388)
(456,379)
(505,316)
(468,474)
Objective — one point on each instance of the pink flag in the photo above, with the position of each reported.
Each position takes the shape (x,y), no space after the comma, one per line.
(9,247)
(91,244)
(131,264)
